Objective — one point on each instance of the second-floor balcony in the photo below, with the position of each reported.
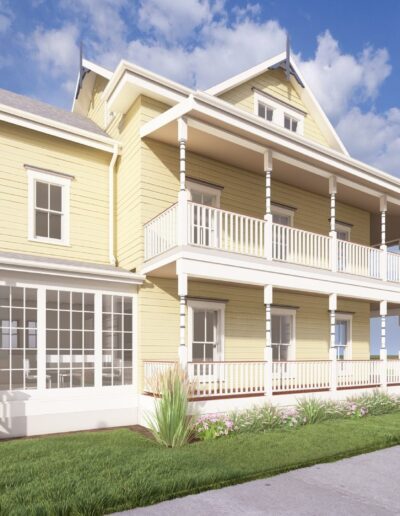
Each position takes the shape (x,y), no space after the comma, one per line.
(215,229)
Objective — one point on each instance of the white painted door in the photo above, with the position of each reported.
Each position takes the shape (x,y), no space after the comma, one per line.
(205,342)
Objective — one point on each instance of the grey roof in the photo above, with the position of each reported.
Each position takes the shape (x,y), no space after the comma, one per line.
(36,107)
(41,260)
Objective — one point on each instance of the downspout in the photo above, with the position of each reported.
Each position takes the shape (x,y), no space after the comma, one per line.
(111,168)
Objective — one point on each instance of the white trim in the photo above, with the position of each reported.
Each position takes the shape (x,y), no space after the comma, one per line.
(206,305)
(111,179)
(279,112)
(97,69)
(204,189)
(283,210)
(343,228)
(277,310)
(64,182)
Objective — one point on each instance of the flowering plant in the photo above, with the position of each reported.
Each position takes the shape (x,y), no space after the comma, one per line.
(212,426)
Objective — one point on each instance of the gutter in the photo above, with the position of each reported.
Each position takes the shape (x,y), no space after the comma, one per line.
(111,169)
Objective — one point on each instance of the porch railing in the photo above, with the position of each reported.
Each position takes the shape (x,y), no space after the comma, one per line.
(358,373)
(300,376)
(226,378)
(241,378)
(222,230)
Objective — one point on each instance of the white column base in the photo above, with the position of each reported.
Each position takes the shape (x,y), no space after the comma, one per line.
(183,356)
(383,357)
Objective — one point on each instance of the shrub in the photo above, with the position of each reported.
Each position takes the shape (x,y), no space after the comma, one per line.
(170,424)
(374,404)
(257,419)
(212,426)
(314,410)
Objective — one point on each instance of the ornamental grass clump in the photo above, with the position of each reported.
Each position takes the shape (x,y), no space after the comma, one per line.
(212,426)
(170,424)
(374,404)
(258,419)
(314,410)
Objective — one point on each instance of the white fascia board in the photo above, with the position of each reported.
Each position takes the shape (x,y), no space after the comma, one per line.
(49,267)
(231,115)
(167,117)
(149,80)
(99,70)
(57,129)
(245,76)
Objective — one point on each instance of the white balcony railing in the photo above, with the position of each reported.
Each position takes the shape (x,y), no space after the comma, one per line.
(219,229)
(161,233)
(358,259)
(301,247)
(222,379)
(223,230)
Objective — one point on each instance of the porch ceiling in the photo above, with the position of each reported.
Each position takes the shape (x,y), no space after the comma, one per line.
(225,146)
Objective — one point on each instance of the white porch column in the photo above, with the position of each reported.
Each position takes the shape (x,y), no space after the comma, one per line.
(332,231)
(268,294)
(182,196)
(383,350)
(268,212)
(182,293)
(332,346)
(383,246)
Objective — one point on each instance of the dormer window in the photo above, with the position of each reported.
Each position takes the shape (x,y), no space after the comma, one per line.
(278,112)
(290,123)
(265,111)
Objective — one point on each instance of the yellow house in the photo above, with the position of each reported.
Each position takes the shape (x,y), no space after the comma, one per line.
(228,230)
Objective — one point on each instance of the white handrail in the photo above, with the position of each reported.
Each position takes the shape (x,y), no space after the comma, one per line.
(393,371)
(358,259)
(226,231)
(298,246)
(160,233)
(358,373)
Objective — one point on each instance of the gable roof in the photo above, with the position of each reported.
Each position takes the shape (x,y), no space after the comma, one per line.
(300,85)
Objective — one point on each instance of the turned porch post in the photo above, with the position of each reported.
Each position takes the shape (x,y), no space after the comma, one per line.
(383,246)
(182,293)
(183,195)
(383,349)
(332,231)
(268,212)
(332,346)
(268,293)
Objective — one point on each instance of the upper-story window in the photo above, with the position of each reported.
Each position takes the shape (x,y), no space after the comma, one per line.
(283,215)
(204,193)
(265,111)
(278,112)
(48,217)
(343,231)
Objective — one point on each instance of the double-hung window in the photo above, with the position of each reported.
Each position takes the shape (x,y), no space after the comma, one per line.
(48,218)
(282,334)
(290,123)
(265,111)
(343,337)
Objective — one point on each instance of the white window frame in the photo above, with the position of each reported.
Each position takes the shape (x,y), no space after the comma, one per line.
(349,347)
(218,306)
(266,106)
(344,228)
(204,189)
(277,310)
(283,210)
(35,176)
(291,119)
(280,110)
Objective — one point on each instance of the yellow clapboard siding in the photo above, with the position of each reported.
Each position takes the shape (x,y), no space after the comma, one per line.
(274,83)
(88,205)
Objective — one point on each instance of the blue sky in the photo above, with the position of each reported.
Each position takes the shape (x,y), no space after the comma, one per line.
(348,52)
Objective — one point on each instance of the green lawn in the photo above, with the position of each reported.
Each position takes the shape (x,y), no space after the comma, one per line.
(101,472)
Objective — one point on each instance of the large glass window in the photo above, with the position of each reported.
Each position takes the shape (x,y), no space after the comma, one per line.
(69,339)
(18,344)
(117,340)
(282,331)
(342,338)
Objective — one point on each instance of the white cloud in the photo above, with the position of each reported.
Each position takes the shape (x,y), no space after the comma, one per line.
(373,137)
(340,80)
(6,16)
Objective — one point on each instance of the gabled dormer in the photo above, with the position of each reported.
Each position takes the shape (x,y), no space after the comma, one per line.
(276,91)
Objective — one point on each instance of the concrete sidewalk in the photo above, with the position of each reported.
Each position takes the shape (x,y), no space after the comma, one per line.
(367,484)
